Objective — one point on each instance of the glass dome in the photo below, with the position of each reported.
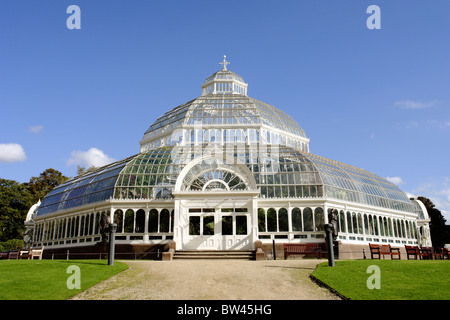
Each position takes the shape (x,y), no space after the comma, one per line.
(255,146)
(224,113)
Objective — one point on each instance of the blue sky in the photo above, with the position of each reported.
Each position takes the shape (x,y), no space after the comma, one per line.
(378,99)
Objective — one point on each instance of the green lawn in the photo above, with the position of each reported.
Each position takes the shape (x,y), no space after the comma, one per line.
(47,279)
(399,280)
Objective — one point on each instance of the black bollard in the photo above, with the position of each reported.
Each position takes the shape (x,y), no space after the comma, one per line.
(329,236)
(112,243)
(274,252)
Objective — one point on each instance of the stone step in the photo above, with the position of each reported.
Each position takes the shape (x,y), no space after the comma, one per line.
(213,254)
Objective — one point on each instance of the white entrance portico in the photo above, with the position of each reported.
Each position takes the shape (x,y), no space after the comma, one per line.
(215,206)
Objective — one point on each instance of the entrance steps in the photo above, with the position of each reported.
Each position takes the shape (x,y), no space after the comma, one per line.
(214,255)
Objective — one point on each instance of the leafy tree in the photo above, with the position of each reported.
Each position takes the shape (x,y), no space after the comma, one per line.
(438,230)
(15,201)
(40,186)
(17,198)
(82,170)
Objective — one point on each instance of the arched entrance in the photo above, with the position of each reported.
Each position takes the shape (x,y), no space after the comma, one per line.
(215,206)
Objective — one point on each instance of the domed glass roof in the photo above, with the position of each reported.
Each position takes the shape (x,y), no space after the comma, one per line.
(226,141)
(224,105)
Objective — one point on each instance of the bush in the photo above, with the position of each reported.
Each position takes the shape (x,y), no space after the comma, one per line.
(13,244)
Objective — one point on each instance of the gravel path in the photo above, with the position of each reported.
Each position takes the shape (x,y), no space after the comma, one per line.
(211,280)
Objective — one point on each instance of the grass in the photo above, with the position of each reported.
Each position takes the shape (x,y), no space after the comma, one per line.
(47,279)
(399,280)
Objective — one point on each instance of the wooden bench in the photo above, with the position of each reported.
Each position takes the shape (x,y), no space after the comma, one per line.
(412,251)
(24,254)
(13,254)
(374,250)
(383,250)
(37,252)
(426,253)
(33,252)
(386,249)
(302,248)
(446,253)
(3,255)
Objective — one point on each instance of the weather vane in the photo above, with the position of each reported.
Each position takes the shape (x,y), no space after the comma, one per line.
(224,63)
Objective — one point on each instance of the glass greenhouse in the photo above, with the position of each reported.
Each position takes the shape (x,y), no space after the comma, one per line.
(221,172)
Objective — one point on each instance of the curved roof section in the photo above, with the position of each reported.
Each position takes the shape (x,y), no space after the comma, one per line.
(279,172)
(84,189)
(223,110)
(223,104)
(346,182)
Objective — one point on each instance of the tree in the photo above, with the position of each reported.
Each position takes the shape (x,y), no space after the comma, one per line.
(17,198)
(15,201)
(40,186)
(438,230)
(81,170)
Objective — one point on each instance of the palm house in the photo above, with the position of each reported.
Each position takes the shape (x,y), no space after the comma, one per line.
(223,172)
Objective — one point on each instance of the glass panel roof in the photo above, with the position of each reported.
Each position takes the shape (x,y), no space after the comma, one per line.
(346,182)
(84,189)
(279,172)
(223,112)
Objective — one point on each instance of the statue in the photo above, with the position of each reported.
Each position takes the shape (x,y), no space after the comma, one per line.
(105,223)
(333,219)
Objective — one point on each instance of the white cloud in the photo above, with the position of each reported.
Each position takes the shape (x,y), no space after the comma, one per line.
(12,152)
(395,180)
(409,104)
(35,129)
(93,157)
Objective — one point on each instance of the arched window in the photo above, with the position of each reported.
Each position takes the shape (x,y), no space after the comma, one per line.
(349,222)
(403,229)
(375,225)
(355,223)
(366,224)
(399,229)
(386,228)
(319,219)
(153,221)
(415,230)
(140,221)
(296,219)
(371,226)
(261,220)
(97,223)
(342,223)
(408,229)
(63,234)
(283,222)
(82,226)
(118,220)
(164,221)
(360,224)
(271,220)
(77,222)
(308,219)
(380,219)
(91,223)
